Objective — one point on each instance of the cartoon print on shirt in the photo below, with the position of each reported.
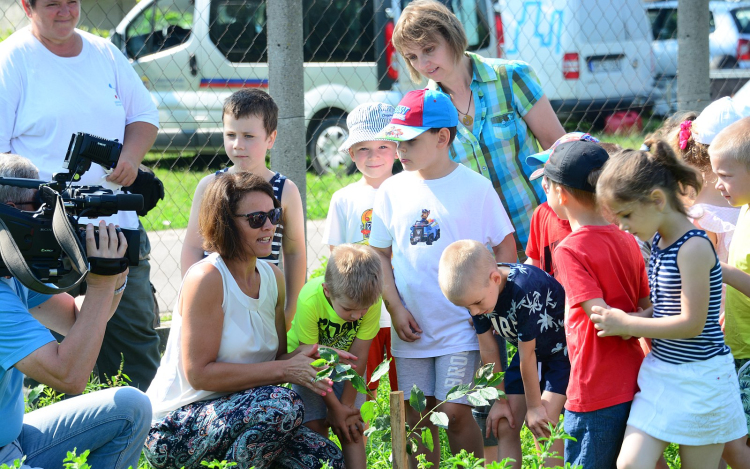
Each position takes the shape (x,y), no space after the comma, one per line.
(425,229)
(366,225)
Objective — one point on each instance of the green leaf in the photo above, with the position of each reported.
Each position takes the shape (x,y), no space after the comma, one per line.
(359,383)
(317,363)
(342,368)
(386,437)
(323,374)
(328,355)
(380,370)
(417,400)
(476,399)
(411,446)
(381,422)
(439,419)
(427,439)
(457,392)
(495,379)
(489,393)
(367,410)
(486,371)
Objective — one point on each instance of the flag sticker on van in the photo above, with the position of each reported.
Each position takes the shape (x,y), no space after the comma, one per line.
(233,83)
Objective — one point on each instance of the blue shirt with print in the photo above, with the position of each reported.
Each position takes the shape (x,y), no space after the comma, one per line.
(530,306)
(20,335)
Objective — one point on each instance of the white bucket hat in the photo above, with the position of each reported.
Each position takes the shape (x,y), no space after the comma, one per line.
(716,117)
(365,122)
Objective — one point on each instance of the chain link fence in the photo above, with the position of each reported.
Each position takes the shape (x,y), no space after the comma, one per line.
(607,66)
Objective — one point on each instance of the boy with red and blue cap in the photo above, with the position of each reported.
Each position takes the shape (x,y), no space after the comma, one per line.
(416,215)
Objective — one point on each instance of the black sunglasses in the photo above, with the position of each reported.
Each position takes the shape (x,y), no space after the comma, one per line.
(258,219)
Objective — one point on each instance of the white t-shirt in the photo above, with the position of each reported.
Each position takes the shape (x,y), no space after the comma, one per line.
(349,220)
(45,99)
(418,219)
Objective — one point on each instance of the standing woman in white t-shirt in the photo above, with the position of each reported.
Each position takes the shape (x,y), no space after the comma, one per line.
(56,80)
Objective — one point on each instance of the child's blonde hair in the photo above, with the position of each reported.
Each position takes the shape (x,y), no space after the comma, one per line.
(420,24)
(631,176)
(679,132)
(462,265)
(354,272)
(734,142)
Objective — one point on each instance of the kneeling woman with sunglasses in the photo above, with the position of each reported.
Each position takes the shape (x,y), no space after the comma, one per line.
(216,394)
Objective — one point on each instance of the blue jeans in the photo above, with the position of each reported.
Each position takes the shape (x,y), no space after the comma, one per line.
(112,424)
(599,436)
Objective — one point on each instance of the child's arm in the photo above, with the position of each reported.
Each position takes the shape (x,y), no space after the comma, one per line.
(490,353)
(293,246)
(534,262)
(403,322)
(506,250)
(694,261)
(736,278)
(192,246)
(536,415)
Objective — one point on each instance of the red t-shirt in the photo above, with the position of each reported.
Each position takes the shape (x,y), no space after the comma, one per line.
(546,232)
(600,262)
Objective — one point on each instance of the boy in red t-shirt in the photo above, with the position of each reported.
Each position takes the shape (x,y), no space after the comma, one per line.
(598,265)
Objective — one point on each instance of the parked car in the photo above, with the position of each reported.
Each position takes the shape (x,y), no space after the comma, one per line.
(192,54)
(728,39)
(592,58)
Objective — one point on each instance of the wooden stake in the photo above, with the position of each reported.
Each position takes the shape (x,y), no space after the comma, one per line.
(398,431)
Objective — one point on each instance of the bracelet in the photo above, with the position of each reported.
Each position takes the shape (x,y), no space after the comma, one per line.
(122,288)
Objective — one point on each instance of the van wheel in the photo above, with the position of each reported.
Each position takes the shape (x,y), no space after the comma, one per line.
(323,147)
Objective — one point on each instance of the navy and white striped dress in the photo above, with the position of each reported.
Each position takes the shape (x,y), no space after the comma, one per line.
(277,182)
(666,288)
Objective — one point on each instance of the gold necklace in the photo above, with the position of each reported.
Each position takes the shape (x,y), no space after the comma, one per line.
(467,119)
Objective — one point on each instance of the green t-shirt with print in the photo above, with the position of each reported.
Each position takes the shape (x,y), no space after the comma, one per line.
(317,323)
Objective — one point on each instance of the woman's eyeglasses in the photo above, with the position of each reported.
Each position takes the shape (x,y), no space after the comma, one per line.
(258,219)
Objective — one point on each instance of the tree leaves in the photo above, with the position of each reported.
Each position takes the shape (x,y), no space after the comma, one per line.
(417,399)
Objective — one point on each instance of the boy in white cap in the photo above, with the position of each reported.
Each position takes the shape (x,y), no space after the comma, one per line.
(417,214)
(350,213)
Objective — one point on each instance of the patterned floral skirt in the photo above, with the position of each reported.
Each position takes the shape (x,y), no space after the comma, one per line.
(260,427)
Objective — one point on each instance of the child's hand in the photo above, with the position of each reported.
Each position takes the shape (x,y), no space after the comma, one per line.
(610,322)
(499,410)
(346,423)
(405,325)
(537,421)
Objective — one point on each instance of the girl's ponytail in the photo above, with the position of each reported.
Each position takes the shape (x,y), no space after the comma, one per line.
(632,176)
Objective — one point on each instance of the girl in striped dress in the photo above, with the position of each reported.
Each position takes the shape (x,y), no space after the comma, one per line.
(689,392)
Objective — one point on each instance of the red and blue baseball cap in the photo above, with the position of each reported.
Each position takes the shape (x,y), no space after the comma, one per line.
(419,111)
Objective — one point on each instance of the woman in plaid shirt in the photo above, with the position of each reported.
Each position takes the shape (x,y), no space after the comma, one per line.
(504,114)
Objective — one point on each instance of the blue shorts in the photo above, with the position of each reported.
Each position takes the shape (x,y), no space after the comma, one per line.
(599,436)
(553,373)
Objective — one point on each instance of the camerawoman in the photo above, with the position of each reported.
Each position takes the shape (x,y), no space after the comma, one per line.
(112,423)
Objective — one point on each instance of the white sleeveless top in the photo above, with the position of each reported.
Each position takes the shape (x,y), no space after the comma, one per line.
(248,336)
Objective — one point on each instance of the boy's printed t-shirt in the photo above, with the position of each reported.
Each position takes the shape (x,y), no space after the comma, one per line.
(600,262)
(737,306)
(20,335)
(530,306)
(546,232)
(349,220)
(418,219)
(317,323)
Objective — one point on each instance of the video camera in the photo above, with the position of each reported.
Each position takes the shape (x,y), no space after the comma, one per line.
(48,245)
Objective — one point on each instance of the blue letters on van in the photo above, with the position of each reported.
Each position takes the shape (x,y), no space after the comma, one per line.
(549,39)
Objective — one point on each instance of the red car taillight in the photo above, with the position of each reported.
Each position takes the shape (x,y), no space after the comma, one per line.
(570,66)
(390,52)
(743,49)
(500,34)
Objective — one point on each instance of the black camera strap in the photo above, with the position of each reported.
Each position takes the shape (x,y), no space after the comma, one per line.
(67,240)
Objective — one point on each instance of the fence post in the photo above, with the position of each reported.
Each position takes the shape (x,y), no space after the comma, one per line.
(286,85)
(398,430)
(693,82)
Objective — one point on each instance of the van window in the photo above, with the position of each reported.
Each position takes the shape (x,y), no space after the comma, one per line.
(333,30)
(163,25)
(664,23)
(742,18)
(473,16)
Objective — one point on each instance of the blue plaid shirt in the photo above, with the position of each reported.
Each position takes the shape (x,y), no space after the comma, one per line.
(500,140)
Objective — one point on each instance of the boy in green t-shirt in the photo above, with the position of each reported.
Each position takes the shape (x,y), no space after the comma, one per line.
(340,310)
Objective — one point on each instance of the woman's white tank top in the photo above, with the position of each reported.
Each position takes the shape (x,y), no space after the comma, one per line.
(248,336)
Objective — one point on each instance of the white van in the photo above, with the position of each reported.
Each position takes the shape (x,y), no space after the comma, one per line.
(192,54)
(592,56)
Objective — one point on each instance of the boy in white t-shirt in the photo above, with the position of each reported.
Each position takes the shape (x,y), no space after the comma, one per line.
(417,214)
(350,213)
